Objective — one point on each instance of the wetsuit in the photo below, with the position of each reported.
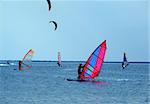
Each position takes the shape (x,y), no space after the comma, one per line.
(79,70)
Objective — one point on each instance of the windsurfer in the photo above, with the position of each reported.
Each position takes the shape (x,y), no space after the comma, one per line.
(59,64)
(19,65)
(8,62)
(79,70)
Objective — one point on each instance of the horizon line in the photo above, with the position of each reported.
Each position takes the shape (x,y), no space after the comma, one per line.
(82,61)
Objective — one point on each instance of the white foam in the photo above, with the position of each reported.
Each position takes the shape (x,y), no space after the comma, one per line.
(122,79)
(12,64)
(4,65)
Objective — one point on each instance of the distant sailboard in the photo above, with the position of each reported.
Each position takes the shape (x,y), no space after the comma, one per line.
(11,63)
(7,64)
(93,65)
(26,61)
(125,62)
(59,59)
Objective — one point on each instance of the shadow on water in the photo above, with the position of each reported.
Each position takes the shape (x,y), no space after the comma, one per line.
(87,81)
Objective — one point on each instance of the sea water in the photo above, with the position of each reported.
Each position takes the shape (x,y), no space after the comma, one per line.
(45,83)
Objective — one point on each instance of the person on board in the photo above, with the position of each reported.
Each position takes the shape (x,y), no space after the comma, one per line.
(8,62)
(19,65)
(79,70)
(59,64)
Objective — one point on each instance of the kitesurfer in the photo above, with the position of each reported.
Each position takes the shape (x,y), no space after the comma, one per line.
(79,70)
(54,24)
(49,4)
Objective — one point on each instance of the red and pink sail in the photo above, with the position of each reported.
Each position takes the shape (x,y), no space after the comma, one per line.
(26,61)
(93,65)
(59,59)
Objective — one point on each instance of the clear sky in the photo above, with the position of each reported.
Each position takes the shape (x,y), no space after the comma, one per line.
(82,26)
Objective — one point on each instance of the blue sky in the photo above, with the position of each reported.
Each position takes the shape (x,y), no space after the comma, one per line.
(82,26)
